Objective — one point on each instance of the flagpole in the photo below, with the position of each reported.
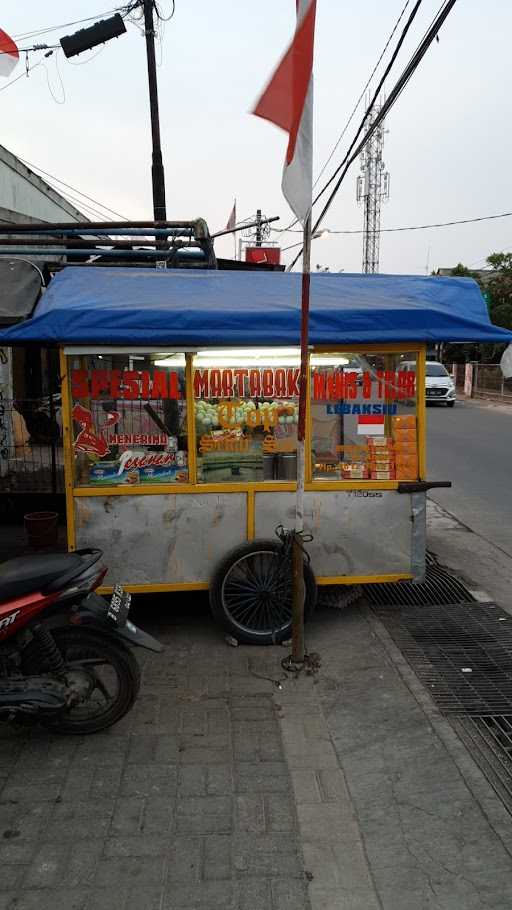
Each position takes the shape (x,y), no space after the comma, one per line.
(234,234)
(298,554)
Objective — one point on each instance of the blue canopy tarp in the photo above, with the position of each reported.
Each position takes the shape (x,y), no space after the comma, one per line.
(125,306)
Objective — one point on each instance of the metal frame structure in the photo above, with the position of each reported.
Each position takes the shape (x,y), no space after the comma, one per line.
(251,490)
(372,188)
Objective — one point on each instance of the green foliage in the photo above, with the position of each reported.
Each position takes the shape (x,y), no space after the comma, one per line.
(460,271)
(497,290)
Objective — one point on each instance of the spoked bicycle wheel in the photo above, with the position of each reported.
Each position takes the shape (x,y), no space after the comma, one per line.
(251,593)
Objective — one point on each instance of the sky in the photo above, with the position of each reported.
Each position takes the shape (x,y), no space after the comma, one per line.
(447,142)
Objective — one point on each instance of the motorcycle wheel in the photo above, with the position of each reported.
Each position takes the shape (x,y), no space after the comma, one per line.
(114,680)
(251,594)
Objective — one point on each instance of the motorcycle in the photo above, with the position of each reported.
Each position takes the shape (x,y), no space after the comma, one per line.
(65,660)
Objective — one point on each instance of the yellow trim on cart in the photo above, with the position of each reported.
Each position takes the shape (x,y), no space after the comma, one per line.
(156,589)
(362,579)
(67,430)
(251,516)
(204,585)
(308,441)
(421,412)
(316,486)
(191,419)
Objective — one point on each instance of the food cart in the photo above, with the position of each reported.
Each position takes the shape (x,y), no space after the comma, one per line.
(180,400)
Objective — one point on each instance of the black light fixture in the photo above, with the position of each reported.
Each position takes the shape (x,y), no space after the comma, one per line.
(88,38)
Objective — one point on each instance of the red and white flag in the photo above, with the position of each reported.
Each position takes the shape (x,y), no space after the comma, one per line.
(232,219)
(288,102)
(9,54)
(370,425)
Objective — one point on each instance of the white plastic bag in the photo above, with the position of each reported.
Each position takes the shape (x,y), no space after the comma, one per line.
(506,362)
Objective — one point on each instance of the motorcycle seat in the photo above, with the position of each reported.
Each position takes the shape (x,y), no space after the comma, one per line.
(27,574)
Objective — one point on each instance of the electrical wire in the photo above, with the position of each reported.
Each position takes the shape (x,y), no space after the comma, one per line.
(417,227)
(89,59)
(395,93)
(56,100)
(24,73)
(165,18)
(374,97)
(54,28)
(361,96)
(40,170)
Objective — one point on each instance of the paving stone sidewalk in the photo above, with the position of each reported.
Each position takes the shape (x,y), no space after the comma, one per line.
(342,791)
(187,804)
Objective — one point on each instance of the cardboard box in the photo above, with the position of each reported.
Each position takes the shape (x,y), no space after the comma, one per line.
(403,422)
(404,437)
(406,473)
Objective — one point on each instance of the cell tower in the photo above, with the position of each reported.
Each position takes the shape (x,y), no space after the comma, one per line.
(372,188)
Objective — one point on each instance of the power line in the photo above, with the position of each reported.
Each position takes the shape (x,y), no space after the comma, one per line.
(25,73)
(361,96)
(55,28)
(419,227)
(375,95)
(73,188)
(397,90)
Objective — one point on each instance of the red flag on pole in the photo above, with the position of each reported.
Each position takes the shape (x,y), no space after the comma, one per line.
(232,218)
(288,102)
(9,54)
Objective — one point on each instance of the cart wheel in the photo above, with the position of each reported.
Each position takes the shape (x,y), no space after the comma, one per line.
(251,593)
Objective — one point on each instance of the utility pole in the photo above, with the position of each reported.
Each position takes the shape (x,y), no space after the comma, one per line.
(157,167)
(259,233)
(372,188)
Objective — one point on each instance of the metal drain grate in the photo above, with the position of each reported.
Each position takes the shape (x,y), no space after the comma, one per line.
(461,652)
(489,740)
(439,587)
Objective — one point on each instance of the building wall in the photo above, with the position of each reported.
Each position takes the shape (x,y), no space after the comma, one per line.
(26,197)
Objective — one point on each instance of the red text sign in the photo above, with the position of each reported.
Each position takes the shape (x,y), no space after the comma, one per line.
(125,384)
(249,383)
(338,385)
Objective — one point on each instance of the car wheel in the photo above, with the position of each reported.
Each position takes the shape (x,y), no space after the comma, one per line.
(450,404)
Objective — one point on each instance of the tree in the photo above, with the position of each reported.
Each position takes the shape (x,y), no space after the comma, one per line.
(499,289)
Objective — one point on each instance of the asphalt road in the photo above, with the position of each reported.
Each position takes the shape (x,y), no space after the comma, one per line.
(471,445)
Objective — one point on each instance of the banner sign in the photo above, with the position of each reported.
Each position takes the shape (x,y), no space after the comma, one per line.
(128,385)
(251,383)
(336,385)
(328,385)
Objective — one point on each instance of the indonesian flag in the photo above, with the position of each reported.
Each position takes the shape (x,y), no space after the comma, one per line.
(288,102)
(370,425)
(9,54)
(232,219)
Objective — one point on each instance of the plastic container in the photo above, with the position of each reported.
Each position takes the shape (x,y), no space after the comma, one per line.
(269,466)
(287,466)
(42,529)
